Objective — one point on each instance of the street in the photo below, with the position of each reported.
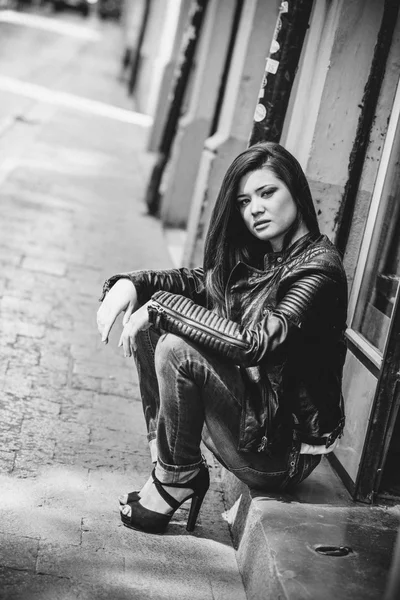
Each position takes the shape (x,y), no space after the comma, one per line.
(73,171)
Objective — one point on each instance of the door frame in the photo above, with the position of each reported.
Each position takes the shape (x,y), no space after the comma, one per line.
(383,416)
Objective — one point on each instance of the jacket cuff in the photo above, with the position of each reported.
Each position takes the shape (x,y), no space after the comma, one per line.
(135,277)
(108,284)
(155,312)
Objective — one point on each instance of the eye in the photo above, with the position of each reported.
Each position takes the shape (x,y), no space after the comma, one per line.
(268,192)
(242,202)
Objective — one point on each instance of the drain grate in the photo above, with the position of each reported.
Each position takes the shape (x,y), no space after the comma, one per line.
(334,550)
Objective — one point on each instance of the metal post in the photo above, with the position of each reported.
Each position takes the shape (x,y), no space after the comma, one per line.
(138,49)
(280,71)
(189,45)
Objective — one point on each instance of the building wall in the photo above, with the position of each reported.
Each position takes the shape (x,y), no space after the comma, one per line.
(151,60)
(372,159)
(320,129)
(325,108)
(253,40)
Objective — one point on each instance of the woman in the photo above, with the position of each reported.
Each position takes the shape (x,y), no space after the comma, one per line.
(246,352)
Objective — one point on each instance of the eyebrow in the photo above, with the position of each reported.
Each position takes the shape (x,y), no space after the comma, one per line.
(259,188)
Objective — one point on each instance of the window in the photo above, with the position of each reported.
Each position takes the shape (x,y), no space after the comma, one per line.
(382,272)
(377,277)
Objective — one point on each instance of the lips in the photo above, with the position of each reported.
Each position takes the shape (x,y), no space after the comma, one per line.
(261,223)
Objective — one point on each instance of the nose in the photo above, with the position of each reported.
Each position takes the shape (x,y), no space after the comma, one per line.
(257,206)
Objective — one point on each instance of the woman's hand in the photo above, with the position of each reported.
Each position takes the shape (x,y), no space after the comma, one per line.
(121,297)
(138,321)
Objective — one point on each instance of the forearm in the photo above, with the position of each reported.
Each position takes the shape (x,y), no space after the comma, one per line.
(242,346)
(185,282)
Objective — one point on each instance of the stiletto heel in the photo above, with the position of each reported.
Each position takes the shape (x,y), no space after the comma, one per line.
(151,521)
(195,506)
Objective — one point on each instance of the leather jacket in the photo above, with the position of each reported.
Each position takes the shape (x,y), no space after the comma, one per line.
(285,332)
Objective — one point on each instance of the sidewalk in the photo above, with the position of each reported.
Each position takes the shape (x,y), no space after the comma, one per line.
(72,432)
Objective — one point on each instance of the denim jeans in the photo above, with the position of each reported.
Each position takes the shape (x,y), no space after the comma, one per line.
(189,395)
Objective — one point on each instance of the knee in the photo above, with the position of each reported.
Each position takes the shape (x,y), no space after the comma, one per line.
(170,343)
(170,351)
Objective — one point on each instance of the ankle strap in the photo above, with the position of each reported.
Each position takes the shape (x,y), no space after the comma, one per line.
(164,494)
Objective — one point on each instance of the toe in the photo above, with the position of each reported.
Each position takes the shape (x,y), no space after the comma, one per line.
(126,510)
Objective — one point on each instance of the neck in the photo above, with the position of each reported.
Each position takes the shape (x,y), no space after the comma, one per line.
(277,245)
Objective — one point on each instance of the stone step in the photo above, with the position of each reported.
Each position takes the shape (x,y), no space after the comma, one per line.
(277,537)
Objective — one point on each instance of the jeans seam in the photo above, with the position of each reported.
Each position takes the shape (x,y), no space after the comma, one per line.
(209,369)
(175,431)
(209,372)
(179,468)
(268,473)
(149,342)
(175,422)
(200,365)
(212,371)
(299,476)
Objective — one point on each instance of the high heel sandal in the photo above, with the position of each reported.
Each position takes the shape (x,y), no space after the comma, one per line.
(131,497)
(150,521)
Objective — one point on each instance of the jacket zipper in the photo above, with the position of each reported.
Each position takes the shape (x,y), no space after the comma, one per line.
(191,322)
(262,447)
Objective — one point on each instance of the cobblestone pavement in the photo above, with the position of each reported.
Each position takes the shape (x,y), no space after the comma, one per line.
(72,433)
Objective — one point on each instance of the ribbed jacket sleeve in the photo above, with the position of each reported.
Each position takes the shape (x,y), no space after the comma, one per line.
(186,282)
(303,302)
(242,346)
(313,302)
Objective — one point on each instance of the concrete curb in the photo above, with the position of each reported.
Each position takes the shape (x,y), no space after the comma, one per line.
(253,552)
(276,537)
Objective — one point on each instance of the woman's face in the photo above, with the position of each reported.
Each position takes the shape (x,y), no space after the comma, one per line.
(267,207)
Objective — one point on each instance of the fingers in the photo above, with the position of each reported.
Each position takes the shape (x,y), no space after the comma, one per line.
(128,339)
(123,341)
(128,343)
(136,320)
(121,297)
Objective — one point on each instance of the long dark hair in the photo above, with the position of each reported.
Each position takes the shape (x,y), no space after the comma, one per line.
(228,239)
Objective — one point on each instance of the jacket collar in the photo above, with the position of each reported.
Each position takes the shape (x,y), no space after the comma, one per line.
(273,259)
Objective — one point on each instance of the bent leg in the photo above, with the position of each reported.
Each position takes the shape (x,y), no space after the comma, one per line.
(186,376)
(198,388)
(146,343)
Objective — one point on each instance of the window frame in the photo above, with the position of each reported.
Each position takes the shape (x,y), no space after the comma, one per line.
(354,336)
